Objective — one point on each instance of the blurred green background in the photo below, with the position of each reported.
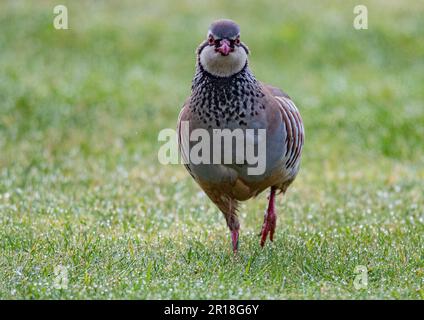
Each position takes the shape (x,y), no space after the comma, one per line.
(81,187)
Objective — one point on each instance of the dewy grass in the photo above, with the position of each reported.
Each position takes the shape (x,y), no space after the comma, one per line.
(87,211)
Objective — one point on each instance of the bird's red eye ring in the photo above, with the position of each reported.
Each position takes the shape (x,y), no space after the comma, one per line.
(211,40)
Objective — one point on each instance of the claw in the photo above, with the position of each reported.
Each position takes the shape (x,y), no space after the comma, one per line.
(268,228)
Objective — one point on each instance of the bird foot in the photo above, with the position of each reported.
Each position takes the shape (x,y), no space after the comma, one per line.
(270,219)
(268,227)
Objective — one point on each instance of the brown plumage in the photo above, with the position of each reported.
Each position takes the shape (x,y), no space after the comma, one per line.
(226,95)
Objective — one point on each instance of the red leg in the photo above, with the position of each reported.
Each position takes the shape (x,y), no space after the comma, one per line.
(235,238)
(270,219)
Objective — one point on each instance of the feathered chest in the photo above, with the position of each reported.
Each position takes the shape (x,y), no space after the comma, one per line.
(225,102)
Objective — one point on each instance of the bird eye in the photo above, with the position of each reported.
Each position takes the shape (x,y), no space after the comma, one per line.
(211,40)
(237,41)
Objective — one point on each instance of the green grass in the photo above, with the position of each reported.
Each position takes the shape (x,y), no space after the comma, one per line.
(81,187)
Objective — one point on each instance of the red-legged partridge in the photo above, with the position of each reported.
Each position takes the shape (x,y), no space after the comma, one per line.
(226,95)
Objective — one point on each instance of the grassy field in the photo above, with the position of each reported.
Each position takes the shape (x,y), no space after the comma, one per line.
(81,187)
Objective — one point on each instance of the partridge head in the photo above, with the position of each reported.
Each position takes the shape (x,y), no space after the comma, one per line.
(223,54)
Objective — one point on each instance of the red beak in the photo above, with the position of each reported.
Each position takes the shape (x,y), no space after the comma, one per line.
(224,47)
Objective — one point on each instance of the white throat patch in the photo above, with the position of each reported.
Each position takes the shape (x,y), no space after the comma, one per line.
(223,66)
